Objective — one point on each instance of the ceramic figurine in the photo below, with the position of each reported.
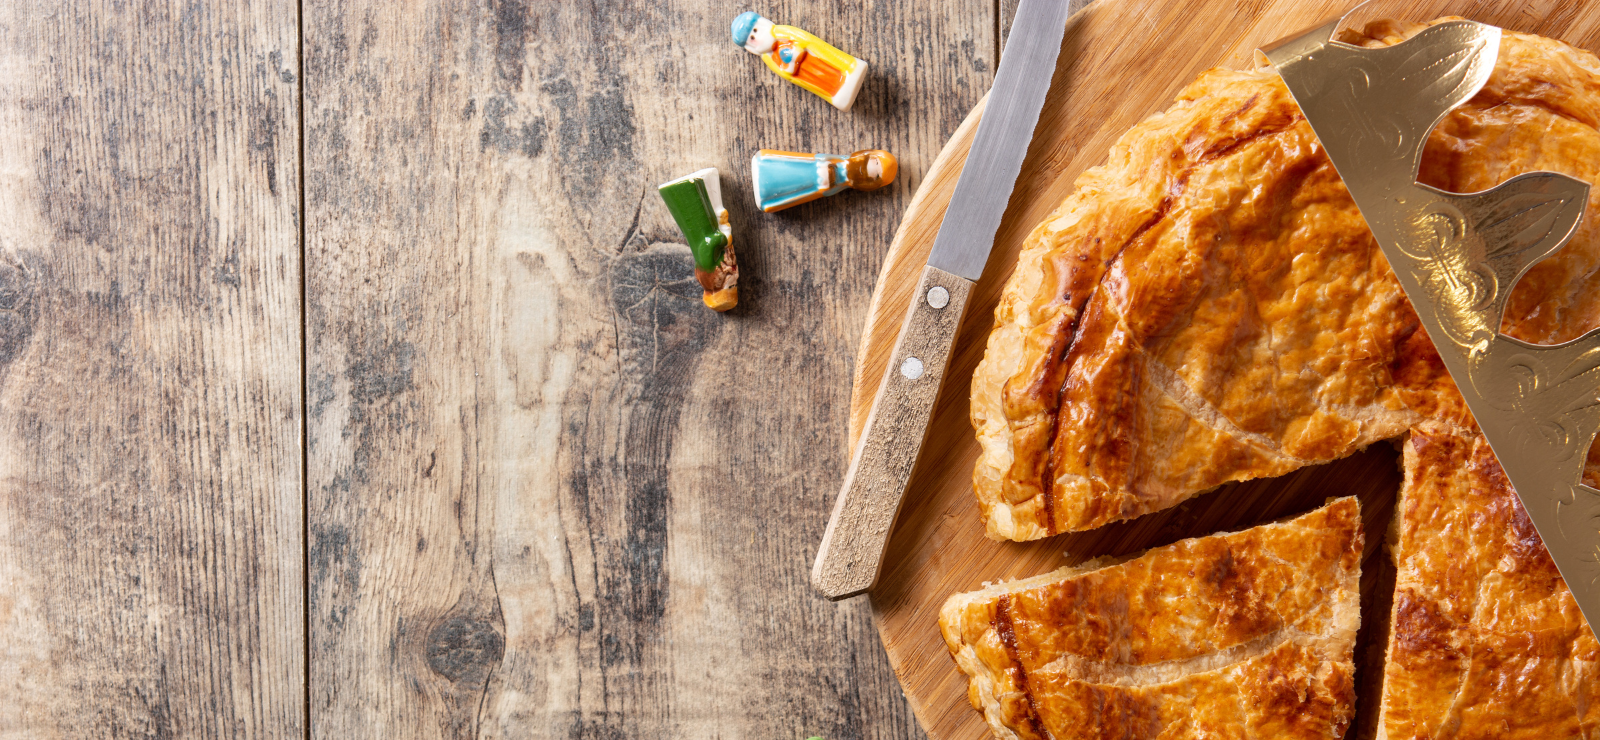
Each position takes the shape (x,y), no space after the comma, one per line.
(801,58)
(696,204)
(784,179)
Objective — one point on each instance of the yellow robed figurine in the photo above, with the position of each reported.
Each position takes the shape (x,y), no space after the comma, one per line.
(801,58)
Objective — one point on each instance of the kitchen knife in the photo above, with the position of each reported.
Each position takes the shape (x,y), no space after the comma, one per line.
(851,554)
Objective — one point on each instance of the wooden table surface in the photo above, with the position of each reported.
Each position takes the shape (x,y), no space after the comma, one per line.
(354,382)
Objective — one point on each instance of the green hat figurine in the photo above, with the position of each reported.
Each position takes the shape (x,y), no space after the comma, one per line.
(696,204)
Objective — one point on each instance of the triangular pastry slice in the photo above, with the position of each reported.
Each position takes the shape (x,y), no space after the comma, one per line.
(1250,631)
(1210,307)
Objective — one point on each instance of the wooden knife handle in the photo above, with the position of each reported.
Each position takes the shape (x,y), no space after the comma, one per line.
(852,548)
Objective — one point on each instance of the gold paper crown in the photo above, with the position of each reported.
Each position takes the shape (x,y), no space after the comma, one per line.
(1458,255)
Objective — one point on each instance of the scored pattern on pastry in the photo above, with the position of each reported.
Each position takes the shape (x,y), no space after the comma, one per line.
(1245,631)
(1208,307)
(1173,325)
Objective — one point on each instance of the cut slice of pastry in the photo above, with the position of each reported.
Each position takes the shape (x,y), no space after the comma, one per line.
(1209,306)
(1485,639)
(1206,637)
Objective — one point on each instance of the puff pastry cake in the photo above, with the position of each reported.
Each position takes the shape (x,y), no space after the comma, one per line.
(1251,631)
(1208,307)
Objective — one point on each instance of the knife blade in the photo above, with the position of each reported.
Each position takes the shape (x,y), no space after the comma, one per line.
(851,554)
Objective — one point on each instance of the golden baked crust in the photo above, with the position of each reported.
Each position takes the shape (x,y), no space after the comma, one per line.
(1209,306)
(1156,339)
(1485,639)
(1252,630)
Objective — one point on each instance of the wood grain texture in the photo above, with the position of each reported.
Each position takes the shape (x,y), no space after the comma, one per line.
(852,547)
(1122,61)
(150,428)
(1007,11)
(551,494)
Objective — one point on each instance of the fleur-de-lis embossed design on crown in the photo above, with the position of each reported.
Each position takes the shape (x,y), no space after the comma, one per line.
(1458,255)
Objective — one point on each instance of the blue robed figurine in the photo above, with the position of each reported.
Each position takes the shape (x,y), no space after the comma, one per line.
(784,179)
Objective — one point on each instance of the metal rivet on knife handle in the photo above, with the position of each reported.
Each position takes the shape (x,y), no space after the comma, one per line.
(852,549)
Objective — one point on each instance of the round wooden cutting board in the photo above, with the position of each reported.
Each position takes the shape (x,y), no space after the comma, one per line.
(1121,61)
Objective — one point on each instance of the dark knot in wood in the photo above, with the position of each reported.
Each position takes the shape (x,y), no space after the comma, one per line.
(16,283)
(464,650)
(17,315)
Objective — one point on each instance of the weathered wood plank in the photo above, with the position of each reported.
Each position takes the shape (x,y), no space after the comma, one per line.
(550,492)
(150,427)
(403,618)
